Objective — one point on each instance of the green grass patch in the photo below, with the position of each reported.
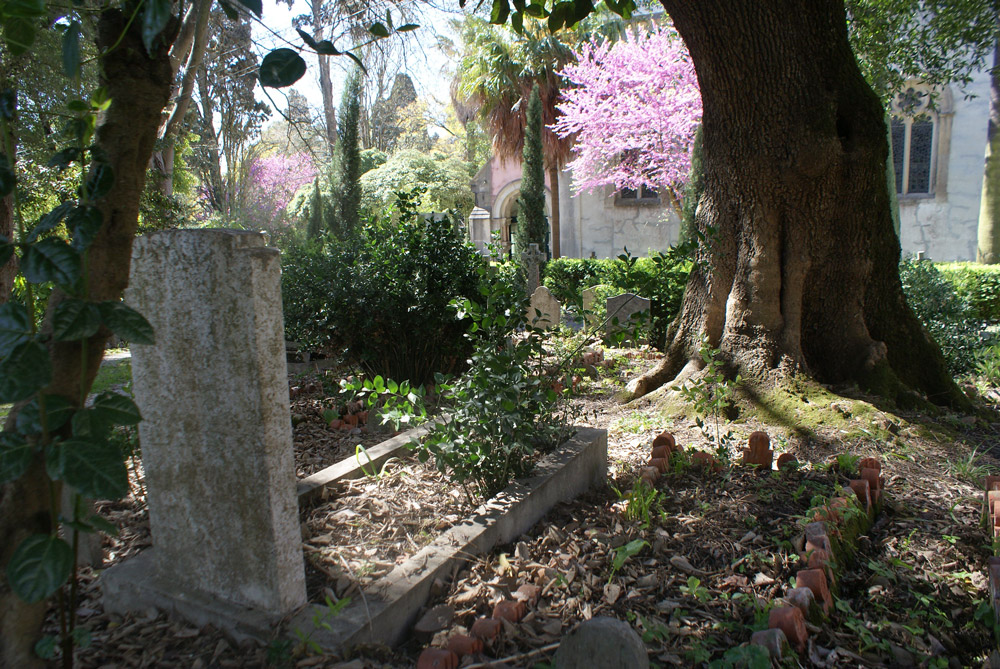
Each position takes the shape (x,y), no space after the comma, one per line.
(114,373)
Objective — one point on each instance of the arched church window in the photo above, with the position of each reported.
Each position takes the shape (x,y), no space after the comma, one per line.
(914,129)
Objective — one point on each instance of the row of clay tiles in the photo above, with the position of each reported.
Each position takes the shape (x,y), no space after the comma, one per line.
(991,514)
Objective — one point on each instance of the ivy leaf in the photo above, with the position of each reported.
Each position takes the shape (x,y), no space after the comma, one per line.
(24,372)
(75,319)
(154,20)
(51,260)
(50,220)
(7,178)
(57,411)
(71,50)
(15,327)
(255,6)
(378,29)
(307,38)
(561,15)
(500,12)
(85,222)
(39,567)
(87,424)
(126,322)
(280,68)
(407,28)
(100,181)
(16,455)
(357,61)
(229,10)
(96,469)
(117,409)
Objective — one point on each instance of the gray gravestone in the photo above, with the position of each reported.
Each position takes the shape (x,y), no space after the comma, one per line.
(602,643)
(216,431)
(629,309)
(589,302)
(544,311)
(532,258)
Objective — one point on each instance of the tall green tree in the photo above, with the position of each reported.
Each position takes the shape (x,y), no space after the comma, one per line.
(531,225)
(497,74)
(348,207)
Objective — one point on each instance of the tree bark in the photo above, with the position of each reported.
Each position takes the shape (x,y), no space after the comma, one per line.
(325,81)
(801,274)
(9,269)
(163,161)
(988,247)
(139,86)
(554,183)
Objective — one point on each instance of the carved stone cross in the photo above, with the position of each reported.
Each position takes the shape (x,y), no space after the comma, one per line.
(532,258)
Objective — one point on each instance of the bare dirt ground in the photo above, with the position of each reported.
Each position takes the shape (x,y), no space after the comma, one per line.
(713,547)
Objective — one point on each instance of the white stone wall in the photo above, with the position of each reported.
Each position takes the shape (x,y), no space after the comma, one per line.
(593,223)
(943,226)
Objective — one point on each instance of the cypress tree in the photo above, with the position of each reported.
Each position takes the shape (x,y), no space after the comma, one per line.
(532,228)
(315,228)
(348,198)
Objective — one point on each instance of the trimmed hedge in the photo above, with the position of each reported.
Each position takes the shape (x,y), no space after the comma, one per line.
(661,277)
(978,284)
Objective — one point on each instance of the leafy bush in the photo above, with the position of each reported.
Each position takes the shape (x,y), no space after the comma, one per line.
(978,284)
(661,277)
(949,317)
(382,300)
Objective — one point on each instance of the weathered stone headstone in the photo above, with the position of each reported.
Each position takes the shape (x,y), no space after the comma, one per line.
(629,309)
(544,310)
(589,303)
(602,643)
(216,430)
(532,258)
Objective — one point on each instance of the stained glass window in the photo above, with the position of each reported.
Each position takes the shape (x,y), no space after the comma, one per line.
(921,136)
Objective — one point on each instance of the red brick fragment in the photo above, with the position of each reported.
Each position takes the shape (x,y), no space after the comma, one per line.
(650,475)
(437,658)
(660,451)
(702,459)
(665,438)
(789,620)
(463,644)
(508,610)
(815,580)
(871,475)
(760,452)
(862,489)
(661,464)
(486,629)
(870,463)
(787,461)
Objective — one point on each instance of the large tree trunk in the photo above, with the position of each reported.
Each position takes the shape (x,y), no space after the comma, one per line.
(988,247)
(140,87)
(325,81)
(801,275)
(554,184)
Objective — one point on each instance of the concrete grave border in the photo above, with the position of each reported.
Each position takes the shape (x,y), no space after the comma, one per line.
(385,612)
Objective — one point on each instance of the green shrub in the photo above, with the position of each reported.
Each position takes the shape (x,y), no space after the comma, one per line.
(978,284)
(382,301)
(661,277)
(949,317)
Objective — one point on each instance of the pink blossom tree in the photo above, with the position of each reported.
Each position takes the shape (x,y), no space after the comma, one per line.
(268,187)
(634,106)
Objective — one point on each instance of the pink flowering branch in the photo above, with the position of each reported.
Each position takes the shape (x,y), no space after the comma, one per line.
(634,106)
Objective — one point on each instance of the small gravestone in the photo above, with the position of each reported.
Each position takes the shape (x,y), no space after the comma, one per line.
(602,643)
(629,309)
(216,435)
(544,311)
(589,303)
(532,258)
